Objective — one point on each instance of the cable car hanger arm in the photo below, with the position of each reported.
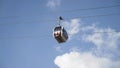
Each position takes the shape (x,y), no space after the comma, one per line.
(59,20)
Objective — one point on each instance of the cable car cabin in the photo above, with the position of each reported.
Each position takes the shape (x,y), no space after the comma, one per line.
(60,34)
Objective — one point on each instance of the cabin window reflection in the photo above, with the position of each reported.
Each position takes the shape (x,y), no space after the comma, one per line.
(57,29)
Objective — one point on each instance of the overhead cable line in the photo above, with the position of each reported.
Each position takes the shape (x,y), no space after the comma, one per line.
(46,36)
(53,20)
(93,16)
(68,11)
(93,8)
(25,37)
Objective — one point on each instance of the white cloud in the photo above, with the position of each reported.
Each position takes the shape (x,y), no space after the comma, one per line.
(103,38)
(106,41)
(104,54)
(86,28)
(53,3)
(72,27)
(84,60)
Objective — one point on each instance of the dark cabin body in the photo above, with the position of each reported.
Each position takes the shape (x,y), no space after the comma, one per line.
(60,34)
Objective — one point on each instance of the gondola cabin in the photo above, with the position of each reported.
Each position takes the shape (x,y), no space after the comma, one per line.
(60,34)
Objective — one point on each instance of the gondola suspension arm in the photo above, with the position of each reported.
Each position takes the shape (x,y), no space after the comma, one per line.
(59,20)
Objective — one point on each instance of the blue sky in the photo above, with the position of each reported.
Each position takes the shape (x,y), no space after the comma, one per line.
(26,39)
